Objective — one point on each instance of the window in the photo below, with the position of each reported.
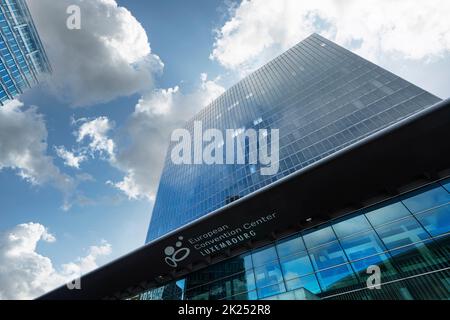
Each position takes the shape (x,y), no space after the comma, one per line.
(319,237)
(387,213)
(290,246)
(327,256)
(268,275)
(271,290)
(402,233)
(336,278)
(269,280)
(264,256)
(436,221)
(296,266)
(307,282)
(351,226)
(431,197)
(362,245)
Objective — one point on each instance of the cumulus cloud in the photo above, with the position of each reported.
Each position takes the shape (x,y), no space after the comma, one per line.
(69,157)
(26,274)
(96,131)
(87,263)
(92,137)
(23,148)
(108,57)
(141,154)
(258,30)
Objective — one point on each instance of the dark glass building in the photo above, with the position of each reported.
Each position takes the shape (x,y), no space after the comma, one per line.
(320,96)
(407,237)
(22,56)
(363,190)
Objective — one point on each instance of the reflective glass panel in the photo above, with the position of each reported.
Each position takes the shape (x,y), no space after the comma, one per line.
(362,245)
(290,246)
(296,266)
(351,226)
(318,237)
(327,256)
(271,290)
(436,221)
(307,282)
(425,199)
(268,275)
(402,233)
(336,278)
(264,256)
(387,214)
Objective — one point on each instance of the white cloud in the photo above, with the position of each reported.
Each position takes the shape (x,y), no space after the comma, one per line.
(258,30)
(26,274)
(87,263)
(149,129)
(96,131)
(69,157)
(23,148)
(109,57)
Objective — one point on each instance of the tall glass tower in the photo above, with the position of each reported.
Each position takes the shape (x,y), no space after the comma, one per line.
(320,96)
(22,56)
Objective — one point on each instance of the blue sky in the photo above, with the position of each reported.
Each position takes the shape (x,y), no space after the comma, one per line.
(117,91)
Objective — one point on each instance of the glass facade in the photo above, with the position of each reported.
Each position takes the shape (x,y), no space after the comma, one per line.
(320,96)
(407,237)
(22,56)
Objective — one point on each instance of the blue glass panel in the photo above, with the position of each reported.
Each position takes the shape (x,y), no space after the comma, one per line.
(290,246)
(436,221)
(427,198)
(271,290)
(336,278)
(268,275)
(446,184)
(327,256)
(308,282)
(296,266)
(387,213)
(264,256)
(318,237)
(351,226)
(362,245)
(401,233)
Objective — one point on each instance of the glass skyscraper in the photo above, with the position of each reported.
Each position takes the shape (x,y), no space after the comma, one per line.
(22,56)
(349,202)
(320,96)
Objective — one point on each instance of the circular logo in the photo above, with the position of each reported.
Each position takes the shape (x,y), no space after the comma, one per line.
(173,255)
